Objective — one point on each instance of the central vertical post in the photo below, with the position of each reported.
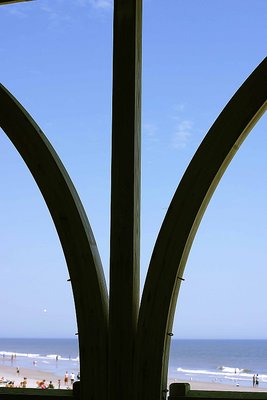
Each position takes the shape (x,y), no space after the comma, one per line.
(125,196)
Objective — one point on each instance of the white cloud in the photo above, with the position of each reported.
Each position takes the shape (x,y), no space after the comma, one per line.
(182,130)
(150,130)
(179,107)
(56,17)
(150,133)
(182,134)
(102,4)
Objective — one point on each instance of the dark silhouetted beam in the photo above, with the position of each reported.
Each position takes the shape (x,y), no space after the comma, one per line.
(2,2)
(125,196)
(180,226)
(77,240)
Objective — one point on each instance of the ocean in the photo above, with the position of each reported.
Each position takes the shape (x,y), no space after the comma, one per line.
(220,361)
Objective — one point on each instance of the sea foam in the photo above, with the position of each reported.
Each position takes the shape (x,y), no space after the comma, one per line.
(5,353)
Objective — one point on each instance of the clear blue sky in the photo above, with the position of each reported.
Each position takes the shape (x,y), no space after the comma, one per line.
(56,58)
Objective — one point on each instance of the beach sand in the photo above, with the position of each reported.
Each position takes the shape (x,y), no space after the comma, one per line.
(216,386)
(32,375)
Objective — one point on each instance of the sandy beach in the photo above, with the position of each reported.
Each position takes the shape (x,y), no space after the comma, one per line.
(32,375)
(215,386)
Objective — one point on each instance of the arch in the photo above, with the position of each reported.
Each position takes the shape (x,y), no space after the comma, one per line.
(77,240)
(180,225)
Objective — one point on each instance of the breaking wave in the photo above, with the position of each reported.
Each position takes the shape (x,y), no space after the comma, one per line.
(10,354)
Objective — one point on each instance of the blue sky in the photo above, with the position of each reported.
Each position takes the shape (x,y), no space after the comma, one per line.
(56,58)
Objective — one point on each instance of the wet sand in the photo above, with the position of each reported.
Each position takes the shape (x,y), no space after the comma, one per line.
(216,386)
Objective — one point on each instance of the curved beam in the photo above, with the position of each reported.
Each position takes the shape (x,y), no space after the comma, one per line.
(77,240)
(180,225)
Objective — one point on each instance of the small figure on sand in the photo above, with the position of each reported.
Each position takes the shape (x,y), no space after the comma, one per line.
(18,371)
(257,380)
(58,383)
(10,384)
(66,378)
(41,384)
(72,377)
(50,386)
(23,383)
(254,380)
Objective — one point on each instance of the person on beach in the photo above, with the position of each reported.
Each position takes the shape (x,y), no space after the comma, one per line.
(50,386)
(66,378)
(23,384)
(72,376)
(58,383)
(254,380)
(257,380)
(3,380)
(18,371)
(41,384)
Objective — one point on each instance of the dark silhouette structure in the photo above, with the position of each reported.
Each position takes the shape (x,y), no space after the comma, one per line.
(12,1)
(115,332)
